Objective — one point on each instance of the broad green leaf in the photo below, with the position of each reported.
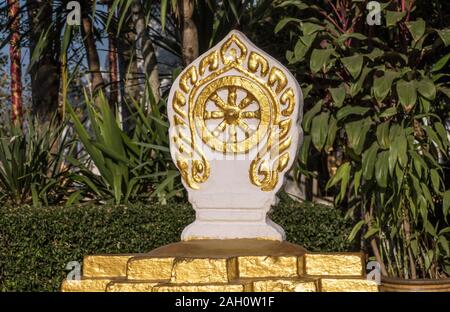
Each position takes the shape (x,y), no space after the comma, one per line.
(310,28)
(426,88)
(357,132)
(374,54)
(302,46)
(319,130)
(355,230)
(382,85)
(351,110)
(445,244)
(383,134)
(445,36)
(358,36)
(388,112)
(414,247)
(446,203)
(371,232)
(304,149)
(310,114)
(441,63)
(417,163)
(435,180)
(407,93)
(308,39)
(356,87)
(342,175)
(332,130)
(338,95)
(341,171)
(398,151)
(427,194)
(442,133)
(434,137)
(353,64)
(381,168)
(393,17)
(368,161)
(319,59)
(416,28)
(283,22)
(429,228)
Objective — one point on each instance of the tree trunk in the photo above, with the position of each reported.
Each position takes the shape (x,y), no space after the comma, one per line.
(189,30)
(112,62)
(128,70)
(45,71)
(91,49)
(15,57)
(145,46)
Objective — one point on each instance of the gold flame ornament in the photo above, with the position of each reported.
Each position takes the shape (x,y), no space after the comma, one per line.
(235,100)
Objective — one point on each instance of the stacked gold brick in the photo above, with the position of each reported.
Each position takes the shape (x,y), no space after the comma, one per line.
(242,265)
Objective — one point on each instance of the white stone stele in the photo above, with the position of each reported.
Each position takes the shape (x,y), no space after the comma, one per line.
(228,205)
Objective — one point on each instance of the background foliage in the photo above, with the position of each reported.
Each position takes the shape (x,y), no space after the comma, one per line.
(37,243)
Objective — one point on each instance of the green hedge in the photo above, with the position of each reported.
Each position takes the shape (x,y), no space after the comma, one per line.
(37,243)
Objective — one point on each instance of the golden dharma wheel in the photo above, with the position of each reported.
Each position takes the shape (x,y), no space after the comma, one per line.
(233,114)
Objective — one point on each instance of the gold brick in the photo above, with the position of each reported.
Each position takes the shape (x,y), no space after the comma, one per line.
(130,287)
(85,285)
(105,265)
(349,264)
(199,288)
(348,285)
(267,266)
(150,268)
(205,270)
(285,285)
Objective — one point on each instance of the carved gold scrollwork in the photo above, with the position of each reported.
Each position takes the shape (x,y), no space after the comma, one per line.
(191,162)
(190,76)
(178,102)
(230,54)
(264,173)
(288,100)
(255,60)
(210,62)
(277,77)
(234,101)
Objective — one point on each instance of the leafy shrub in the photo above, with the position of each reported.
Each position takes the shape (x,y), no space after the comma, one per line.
(373,95)
(37,243)
(32,163)
(130,163)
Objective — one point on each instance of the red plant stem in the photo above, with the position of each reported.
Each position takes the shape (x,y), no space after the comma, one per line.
(15,57)
(324,14)
(409,9)
(335,10)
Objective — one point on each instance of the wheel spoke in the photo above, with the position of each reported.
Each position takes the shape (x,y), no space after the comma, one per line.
(233,133)
(220,128)
(213,115)
(218,101)
(251,114)
(246,101)
(232,96)
(244,127)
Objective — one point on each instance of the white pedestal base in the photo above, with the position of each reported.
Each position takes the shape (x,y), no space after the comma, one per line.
(224,230)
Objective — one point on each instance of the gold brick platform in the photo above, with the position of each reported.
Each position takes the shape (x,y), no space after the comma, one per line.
(241,265)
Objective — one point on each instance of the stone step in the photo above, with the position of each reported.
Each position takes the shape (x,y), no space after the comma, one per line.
(85,285)
(347,284)
(240,264)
